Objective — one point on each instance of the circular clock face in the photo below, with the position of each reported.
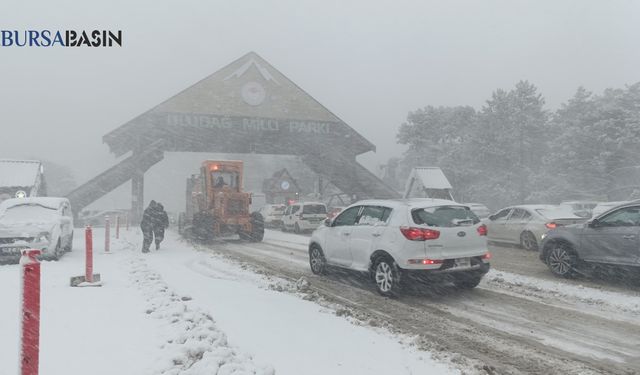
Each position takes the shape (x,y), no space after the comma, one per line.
(253,93)
(285,185)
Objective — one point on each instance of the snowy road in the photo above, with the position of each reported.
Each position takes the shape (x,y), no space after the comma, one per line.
(512,323)
(236,308)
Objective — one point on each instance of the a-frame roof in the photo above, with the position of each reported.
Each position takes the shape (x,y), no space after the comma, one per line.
(248,98)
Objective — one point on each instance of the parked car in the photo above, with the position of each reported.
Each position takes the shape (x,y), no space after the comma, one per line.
(525,225)
(404,240)
(611,238)
(479,209)
(304,216)
(580,208)
(272,214)
(35,223)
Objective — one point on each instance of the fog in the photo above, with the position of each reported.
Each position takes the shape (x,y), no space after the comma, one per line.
(370,63)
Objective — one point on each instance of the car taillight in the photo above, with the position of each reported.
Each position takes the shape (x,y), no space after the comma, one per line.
(419,234)
(486,256)
(425,261)
(482,230)
(551,225)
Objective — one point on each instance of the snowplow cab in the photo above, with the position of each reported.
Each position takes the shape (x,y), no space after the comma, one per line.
(217,206)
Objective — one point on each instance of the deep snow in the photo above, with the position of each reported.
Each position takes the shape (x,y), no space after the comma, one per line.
(183,311)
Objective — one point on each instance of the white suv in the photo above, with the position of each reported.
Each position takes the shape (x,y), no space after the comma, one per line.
(399,240)
(304,216)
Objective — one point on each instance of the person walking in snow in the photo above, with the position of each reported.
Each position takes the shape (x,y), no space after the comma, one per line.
(147,225)
(160,224)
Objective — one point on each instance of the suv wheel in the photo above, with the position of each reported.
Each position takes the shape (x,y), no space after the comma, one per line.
(561,260)
(257,229)
(69,245)
(467,281)
(296,229)
(386,276)
(57,252)
(528,241)
(317,260)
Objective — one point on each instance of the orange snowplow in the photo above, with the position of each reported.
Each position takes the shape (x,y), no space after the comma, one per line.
(216,205)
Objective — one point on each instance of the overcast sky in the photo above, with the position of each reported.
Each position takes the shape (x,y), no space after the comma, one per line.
(370,62)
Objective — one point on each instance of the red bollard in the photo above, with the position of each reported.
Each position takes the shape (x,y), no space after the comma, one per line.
(107,229)
(30,332)
(117,227)
(88,264)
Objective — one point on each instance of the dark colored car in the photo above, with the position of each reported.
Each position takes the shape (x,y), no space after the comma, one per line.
(610,239)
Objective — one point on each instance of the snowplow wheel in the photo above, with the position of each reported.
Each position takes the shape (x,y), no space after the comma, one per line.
(257,227)
(203,227)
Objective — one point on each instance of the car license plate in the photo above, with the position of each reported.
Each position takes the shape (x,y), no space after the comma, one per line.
(10,250)
(463,262)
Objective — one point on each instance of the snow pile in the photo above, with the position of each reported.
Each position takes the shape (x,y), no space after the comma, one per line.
(193,343)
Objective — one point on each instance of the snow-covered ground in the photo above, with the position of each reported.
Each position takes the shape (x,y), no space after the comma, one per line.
(183,311)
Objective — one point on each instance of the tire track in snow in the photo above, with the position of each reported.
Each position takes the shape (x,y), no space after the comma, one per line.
(450,324)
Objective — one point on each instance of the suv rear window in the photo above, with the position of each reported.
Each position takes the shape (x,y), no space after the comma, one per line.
(444,216)
(314,209)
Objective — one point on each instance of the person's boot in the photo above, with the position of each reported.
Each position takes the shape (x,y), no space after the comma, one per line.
(157,245)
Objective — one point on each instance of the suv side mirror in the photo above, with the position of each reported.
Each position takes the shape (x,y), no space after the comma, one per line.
(491,217)
(327,222)
(594,223)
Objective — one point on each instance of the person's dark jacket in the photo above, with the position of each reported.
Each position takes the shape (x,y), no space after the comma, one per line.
(149,216)
(162,219)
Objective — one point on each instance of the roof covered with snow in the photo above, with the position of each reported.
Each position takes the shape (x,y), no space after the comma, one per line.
(49,202)
(18,173)
(247,106)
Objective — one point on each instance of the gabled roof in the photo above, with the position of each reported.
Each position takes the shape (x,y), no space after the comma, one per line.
(248,98)
(273,184)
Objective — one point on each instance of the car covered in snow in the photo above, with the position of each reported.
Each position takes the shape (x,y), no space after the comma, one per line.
(35,223)
(272,215)
(610,239)
(399,241)
(525,225)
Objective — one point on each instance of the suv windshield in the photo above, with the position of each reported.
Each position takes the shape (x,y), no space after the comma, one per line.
(444,216)
(314,209)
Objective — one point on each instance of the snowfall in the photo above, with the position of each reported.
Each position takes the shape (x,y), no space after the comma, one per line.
(181,310)
(190,309)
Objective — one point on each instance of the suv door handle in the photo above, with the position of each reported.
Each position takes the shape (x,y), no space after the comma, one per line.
(346,233)
(376,234)
(629,237)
